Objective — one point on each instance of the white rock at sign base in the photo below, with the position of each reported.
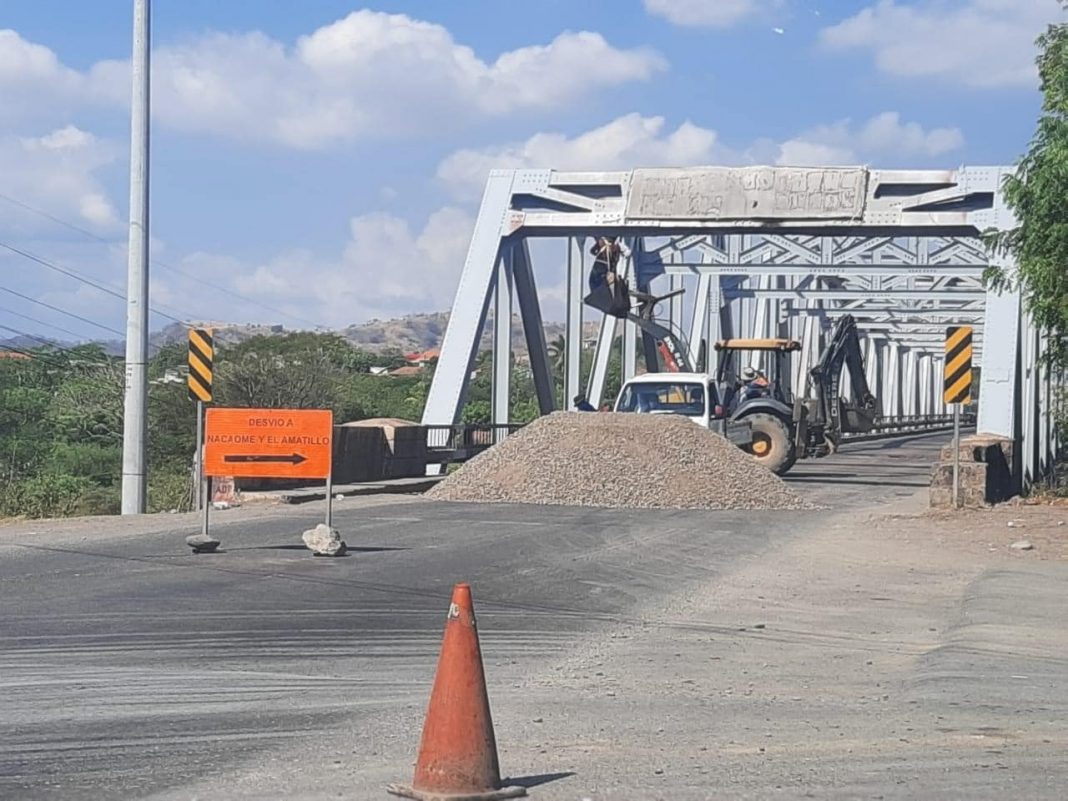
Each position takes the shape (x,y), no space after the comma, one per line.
(324,541)
(202,543)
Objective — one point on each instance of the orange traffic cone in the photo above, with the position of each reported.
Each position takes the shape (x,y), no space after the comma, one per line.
(458,753)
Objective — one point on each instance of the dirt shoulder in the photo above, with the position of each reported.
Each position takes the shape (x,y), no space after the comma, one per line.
(891,656)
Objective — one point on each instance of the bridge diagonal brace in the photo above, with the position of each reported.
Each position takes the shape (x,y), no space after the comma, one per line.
(526,293)
(467,320)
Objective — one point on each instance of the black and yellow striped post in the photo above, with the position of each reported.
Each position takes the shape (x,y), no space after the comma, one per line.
(958,371)
(200,381)
(201,364)
(957,388)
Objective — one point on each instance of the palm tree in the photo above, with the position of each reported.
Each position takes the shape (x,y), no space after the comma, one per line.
(558,355)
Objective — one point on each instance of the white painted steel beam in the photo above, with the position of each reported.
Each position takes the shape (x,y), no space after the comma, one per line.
(573,335)
(448,390)
(526,292)
(502,342)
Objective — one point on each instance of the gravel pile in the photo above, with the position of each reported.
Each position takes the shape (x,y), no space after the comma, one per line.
(618,460)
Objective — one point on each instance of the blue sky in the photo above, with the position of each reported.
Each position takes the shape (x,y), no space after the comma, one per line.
(320,162)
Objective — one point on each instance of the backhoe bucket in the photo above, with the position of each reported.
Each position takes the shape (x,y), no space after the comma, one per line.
(612,299)
(858,419)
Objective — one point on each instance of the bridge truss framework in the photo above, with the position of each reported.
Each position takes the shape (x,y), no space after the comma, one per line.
(761,252)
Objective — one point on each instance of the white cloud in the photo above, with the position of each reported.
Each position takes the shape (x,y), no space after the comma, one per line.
(36,86)
(976,43)
(634,141)
(31,77)
(385,269)
(57,173)
(883,139)
(368,75)
(624,143)
(708,13)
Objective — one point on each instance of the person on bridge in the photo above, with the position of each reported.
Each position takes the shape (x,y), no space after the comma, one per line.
(606,251)
(754,384)
(609,292)
(583,405)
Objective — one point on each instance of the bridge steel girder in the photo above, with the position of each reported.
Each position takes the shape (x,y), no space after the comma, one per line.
(768,251)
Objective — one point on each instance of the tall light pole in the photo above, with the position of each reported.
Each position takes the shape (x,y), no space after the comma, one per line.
(135,407)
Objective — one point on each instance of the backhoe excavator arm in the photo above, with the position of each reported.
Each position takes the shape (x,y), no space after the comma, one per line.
(673,348)
(832,413)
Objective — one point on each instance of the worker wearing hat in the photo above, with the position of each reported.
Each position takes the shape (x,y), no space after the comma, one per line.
(754,384)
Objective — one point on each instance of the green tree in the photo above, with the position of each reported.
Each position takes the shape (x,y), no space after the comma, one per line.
(1036,194)
(87,407)
(300,371)
(557,347)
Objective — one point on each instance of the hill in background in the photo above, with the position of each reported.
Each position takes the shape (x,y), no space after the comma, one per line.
(414,332)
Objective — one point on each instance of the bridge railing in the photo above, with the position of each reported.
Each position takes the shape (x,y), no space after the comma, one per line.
(458,443)
(912,424)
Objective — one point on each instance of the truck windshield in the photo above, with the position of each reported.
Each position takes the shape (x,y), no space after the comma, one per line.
(667,396)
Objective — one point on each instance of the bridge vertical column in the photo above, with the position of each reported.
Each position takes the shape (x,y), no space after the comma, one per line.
(502,342)
(699,327)
(998,408)
(1048,433)
(601,357)
(894,379)
(717,329)
(576,274)
(1028,401)
(940,397)
(629,363)
(909,383)
(924,368)
(871,366)
(935,386)
(999,411)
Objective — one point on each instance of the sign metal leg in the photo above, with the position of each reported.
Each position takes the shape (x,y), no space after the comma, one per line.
(956,455)
(198,458)
(207,506)
(330,499)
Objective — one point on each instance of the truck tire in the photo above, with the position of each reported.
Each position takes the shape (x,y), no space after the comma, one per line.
(771,446)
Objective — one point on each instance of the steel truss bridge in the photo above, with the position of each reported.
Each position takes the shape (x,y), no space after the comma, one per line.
(761,252)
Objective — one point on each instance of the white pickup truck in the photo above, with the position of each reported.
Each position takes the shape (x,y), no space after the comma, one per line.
(692,395)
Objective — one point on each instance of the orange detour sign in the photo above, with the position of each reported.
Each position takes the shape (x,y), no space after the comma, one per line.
(268,443)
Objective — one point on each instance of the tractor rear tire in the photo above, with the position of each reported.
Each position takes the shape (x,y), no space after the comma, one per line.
(771,446)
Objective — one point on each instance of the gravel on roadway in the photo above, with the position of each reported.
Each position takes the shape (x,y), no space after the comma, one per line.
(615,460)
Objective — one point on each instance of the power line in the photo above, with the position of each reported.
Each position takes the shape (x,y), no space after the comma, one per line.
(170,267)
(39,357)
(41,322)
(44,342)
(76,276)
(57,220)
(62,311)
(79,277)
(32,356)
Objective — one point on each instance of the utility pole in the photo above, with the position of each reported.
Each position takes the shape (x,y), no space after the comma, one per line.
(135,406)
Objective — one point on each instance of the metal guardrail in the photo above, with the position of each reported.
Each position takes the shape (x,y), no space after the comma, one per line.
(910,424)
(461,442)
(921,422)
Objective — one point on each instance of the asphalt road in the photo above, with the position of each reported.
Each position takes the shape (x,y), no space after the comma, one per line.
(130,668)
